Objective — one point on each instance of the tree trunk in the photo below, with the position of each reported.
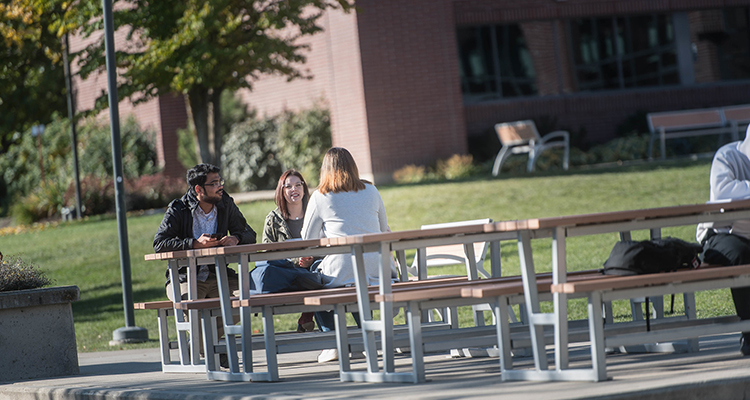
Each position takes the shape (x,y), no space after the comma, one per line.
(198,97)
(218,125)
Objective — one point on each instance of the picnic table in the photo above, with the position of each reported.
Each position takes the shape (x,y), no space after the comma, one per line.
(528,291)
(561,228)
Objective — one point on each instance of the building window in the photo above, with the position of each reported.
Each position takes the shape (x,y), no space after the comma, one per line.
(623,52)
(495,63)
(734,44)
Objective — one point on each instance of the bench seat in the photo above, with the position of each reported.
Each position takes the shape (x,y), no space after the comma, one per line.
(610,288)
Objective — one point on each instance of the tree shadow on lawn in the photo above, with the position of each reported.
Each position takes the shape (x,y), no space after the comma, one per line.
(96,307)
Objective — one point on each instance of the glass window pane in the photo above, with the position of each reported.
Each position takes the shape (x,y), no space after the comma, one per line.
(633,51)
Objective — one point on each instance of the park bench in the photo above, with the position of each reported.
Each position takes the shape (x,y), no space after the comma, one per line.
(698,122)
(270,305)
(417,298)
(164,309)
(624,287)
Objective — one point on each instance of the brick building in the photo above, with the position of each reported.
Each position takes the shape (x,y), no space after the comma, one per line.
(410,82)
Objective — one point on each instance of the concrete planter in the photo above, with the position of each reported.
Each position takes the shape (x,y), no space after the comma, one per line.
(37,336)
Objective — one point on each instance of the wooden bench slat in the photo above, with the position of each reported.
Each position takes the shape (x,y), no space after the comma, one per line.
(611,282)
(153,305)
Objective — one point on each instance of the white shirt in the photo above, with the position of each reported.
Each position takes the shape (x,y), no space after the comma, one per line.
(345,214)
(204,222)
(730,180)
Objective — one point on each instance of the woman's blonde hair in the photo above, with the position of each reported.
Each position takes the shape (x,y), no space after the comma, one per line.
(339,172)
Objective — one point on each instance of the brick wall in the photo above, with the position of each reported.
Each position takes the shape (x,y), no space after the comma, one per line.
(389,74)
(412,87)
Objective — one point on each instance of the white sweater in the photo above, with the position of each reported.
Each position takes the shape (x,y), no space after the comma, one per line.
(730,180)
(345,214)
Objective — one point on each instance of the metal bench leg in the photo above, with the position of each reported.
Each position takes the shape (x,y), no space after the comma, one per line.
(413,316)
(161,318)
(342,339)
(689,299)
(596,332)
(502,316)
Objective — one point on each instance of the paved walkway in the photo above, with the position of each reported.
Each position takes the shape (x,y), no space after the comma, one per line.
(716,372)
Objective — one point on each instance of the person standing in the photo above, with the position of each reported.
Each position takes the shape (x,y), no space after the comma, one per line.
(729,243)
(343,205)
(206,216)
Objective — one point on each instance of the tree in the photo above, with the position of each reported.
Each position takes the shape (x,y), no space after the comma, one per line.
(32,81)
(200,48)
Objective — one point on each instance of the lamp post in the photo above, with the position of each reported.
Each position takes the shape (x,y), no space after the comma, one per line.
(71,117)
(130,333)
(36,131)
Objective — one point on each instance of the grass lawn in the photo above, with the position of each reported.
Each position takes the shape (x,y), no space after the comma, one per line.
(86,253)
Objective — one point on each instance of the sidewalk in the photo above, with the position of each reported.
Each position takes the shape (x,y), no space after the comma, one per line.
(716,372)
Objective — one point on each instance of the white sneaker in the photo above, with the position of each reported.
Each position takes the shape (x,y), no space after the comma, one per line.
(328,355)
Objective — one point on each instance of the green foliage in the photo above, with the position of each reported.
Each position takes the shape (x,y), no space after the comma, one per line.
(303,139)
(32,84)
(97,195)
(20,165)
(456,167)
(34,199)
(249,155)
(186,147)
(153,191)
(43,202)
(16,274)
(95,149)
(233,111)
(258,150)
(200,48)
(632,147)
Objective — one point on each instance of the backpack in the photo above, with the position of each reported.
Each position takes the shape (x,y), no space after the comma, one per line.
(630,257)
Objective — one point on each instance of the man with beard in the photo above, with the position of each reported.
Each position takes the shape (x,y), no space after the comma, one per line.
(205,216)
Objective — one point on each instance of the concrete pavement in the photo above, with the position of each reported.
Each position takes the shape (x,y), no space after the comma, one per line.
(716,372)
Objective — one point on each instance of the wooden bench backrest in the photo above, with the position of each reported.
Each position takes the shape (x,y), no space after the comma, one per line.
(689,119)
(515,133)
(737,113)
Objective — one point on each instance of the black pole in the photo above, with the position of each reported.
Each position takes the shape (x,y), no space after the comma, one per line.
(71,117)
(130,333)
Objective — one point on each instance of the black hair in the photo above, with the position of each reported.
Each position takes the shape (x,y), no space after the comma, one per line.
(197,175)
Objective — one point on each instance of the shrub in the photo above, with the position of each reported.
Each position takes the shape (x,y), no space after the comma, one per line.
(303,139)
(97,195)
(410,174)
(95,149)
(44,202)
(248,156)
(20,165)
(633,147)
(456,167)
(153,191)
(16,274)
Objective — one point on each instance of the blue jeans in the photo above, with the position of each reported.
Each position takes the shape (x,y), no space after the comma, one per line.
(325,320)
(282,276)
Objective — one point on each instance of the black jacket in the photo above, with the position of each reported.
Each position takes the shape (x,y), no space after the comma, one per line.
(176,229)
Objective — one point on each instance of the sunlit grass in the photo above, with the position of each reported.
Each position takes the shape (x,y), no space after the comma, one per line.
(86,253)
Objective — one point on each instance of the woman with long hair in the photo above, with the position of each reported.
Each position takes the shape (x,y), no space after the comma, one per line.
(285,222)
(343,205)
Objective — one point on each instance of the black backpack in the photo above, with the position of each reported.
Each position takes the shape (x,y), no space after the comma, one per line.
(630,257)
